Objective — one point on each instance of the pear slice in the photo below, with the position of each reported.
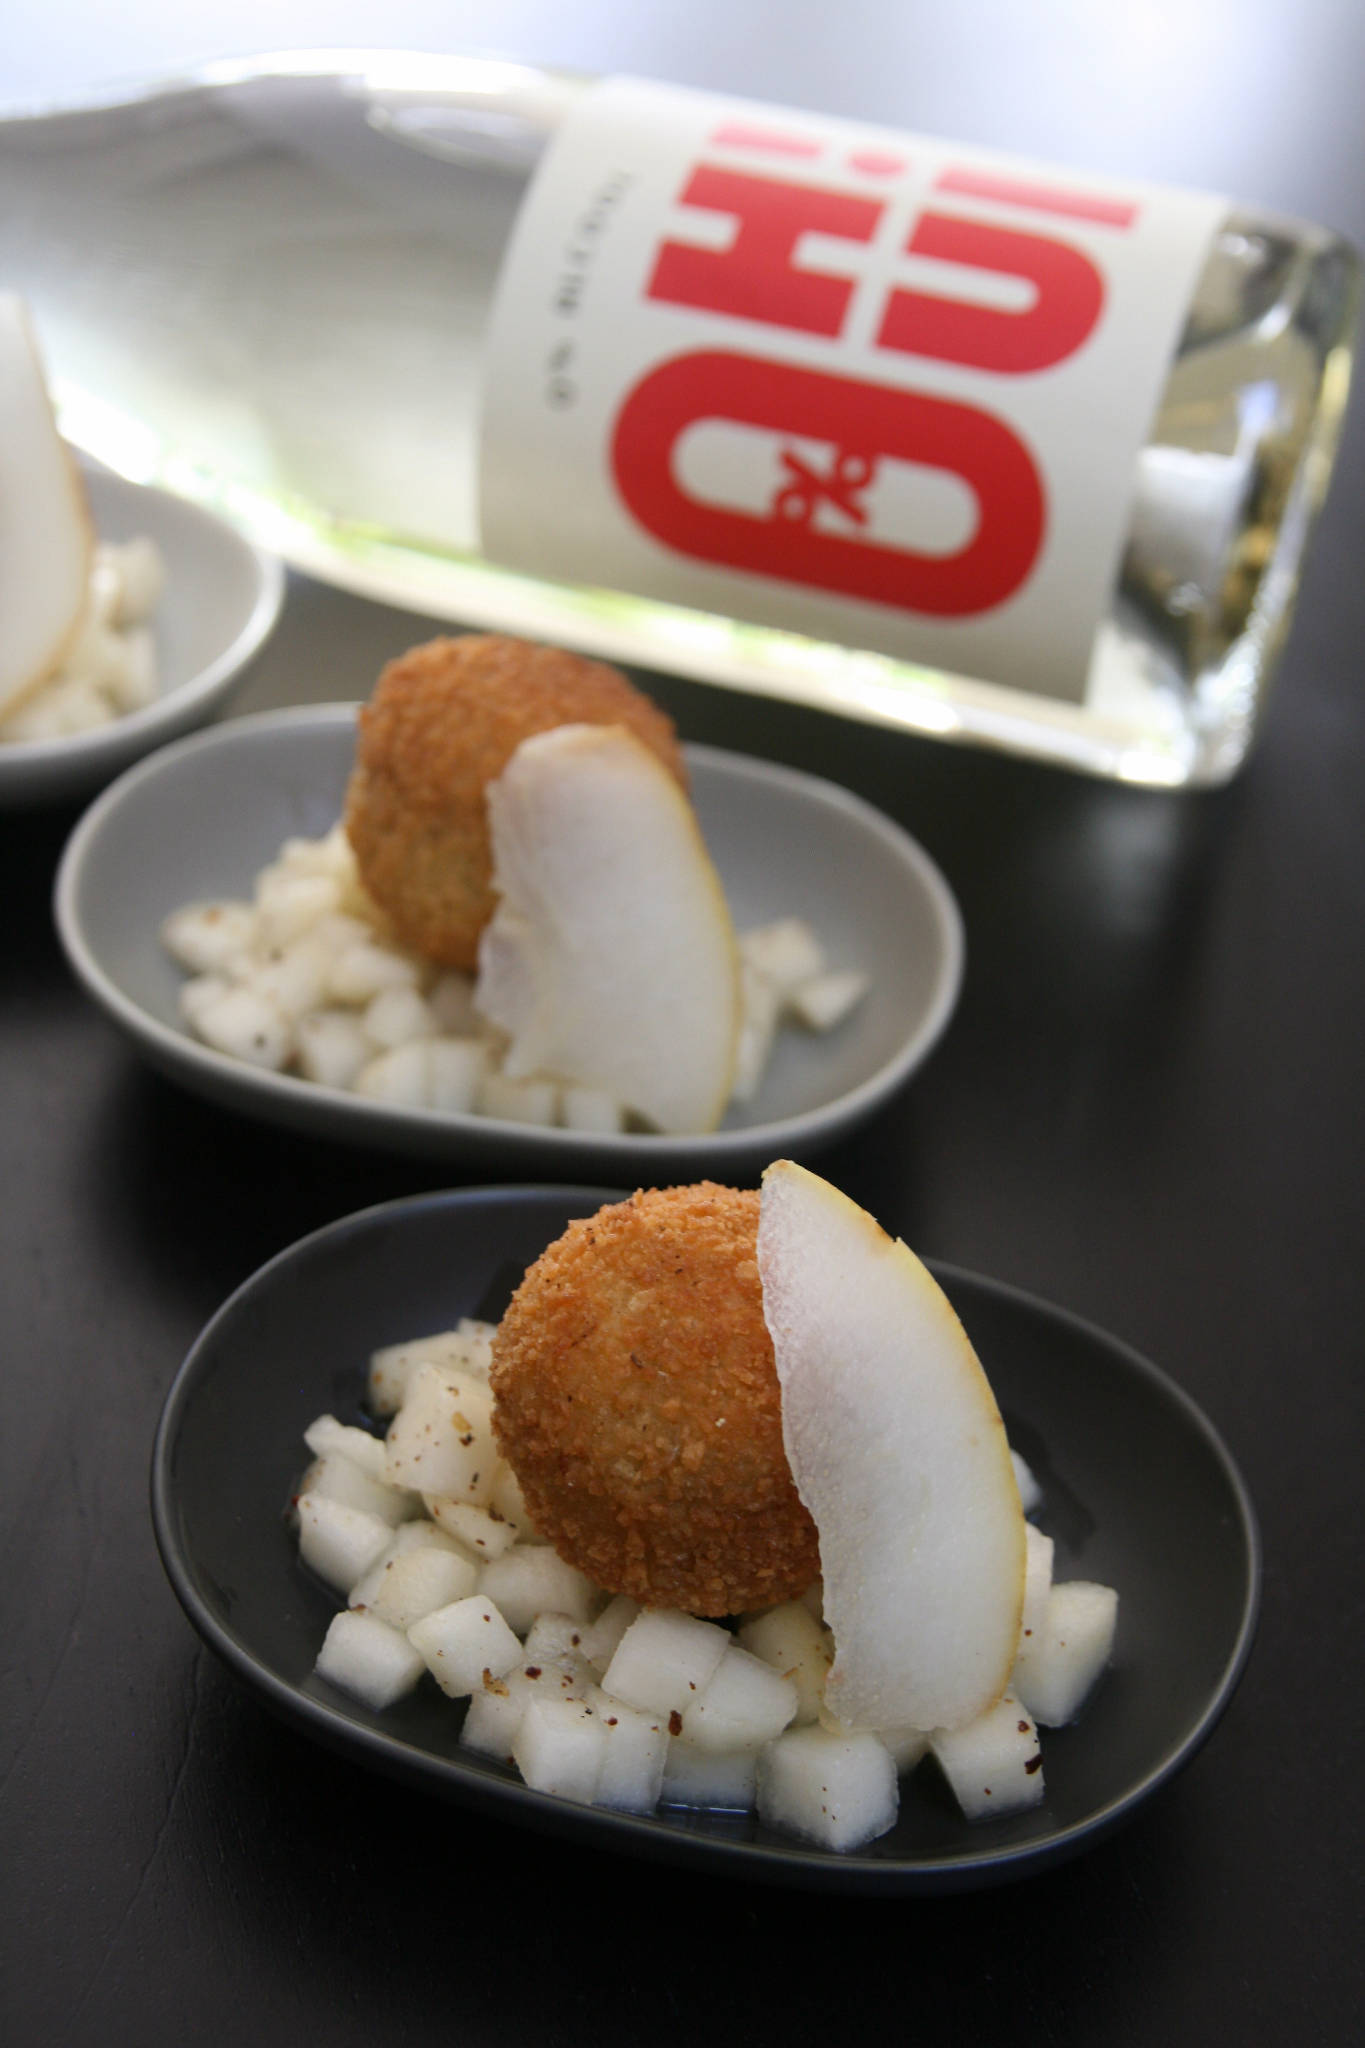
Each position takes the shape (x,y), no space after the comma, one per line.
(46,534)
(610,961)
(899,1453)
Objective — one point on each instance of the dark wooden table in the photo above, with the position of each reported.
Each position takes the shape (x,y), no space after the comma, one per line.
(1148,1110)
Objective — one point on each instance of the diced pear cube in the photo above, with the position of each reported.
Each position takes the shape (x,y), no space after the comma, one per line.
(1037,1586)
(634,1755)
(826,999)
(791,1640)
(1068,1651)
(494,1715)
(994,1765)
(138,573)
(560,1747)
(334,1477)
(786,952)
(396,1016)
(441,1440)
(205,937)
(246,1026)
(292,978)
(591,1109)
(483,1531)
(288,905)
(665,1660)
(368,1659)
(464,1644)
(453,1351)
(339,1543)
(745,1704)
(361,970)
(327,1434)
(532,1579)
(555,1639)
(455,1072)
(601,1637)
(724,1779)
(907,1746)
(510,1503)
(400,1077)
(759,1006)
(420,1535)
(403,1589)
(331,1047)
(837,1790)
(523,1102)
(1030,1492)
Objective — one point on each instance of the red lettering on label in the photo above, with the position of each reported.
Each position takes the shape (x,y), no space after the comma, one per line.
(865,423)
(755,278)
(971,184)
(1070,296)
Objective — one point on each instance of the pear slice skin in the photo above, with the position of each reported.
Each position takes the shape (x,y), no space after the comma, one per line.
(898,1452)
(610,960)
(47,536)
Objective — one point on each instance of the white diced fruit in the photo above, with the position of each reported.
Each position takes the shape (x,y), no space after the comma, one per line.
(994,1764)
(510,1503)
(1068,1651)
(402,1590)
(463,1351)
(560,1747)
(634,1755)
(495,1711)
(368,1659)
(331,1047)
(591,1109)
(397,1015)
(334,1477)
(482,1530)
(665,1660)
(464,1644)
(246,1026)
(838,1790)
(206,936)
(441,1440)
(791,1640)
(532,1579)
(327,1434)
(399,1078)
(555,1639)
(339,1543)
(785,953)
(361,970)
(1030,1492)
(1037,1586)
(455,1072)
(826,999)
(907,1746)
(288,905)
(745,1704)
(291,977)
(520,1102)
(601,1637)
(709,1777)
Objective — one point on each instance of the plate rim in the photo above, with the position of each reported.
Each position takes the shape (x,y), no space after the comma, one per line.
(369,1122)
(90,751)
(804,1867)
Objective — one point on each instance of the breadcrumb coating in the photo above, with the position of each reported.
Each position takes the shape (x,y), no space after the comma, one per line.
(444,720)
(636,1399)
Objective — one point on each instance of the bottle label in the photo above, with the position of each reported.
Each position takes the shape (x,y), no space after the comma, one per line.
(862,386)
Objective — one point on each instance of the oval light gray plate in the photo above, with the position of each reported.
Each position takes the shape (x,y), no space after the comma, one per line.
(220,604)
(1140,1493)
(202,817)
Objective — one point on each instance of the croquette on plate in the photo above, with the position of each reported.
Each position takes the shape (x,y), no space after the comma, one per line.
(443,722)
(636,1399)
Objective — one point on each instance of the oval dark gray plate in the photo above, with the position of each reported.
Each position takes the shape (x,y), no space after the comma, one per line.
(1096,1421)
(204,816)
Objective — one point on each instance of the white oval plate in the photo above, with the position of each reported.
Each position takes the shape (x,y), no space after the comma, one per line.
(219,606)
(202,818)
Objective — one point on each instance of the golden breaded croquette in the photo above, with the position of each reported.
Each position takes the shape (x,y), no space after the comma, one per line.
(443,722)
(636,1399)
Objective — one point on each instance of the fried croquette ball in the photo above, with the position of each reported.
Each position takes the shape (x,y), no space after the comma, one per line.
(444,721)
(636,1399)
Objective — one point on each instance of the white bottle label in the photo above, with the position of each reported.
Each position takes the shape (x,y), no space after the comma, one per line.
(862,386)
